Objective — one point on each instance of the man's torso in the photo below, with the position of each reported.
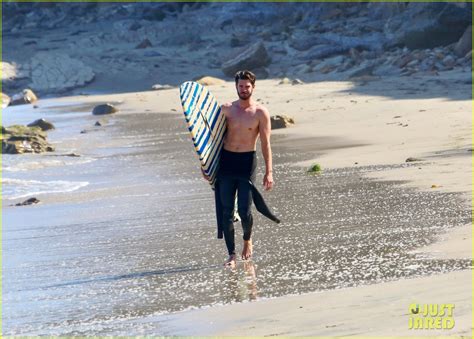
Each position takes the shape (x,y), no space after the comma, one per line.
(242,127)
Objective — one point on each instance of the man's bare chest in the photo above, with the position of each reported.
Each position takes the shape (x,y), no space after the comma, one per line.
(242,120)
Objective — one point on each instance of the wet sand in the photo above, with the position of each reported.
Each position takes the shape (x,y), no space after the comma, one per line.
(137,243)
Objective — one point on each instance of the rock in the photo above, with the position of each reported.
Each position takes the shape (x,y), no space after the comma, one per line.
(261,73)
(152,54)
(209,81)
(144,44)
(104,109)
(329,64)
(284,81)
(30,201)
(18,139)
(239,40)
(303,41)
(403,60)
(154,14)
(323,51)
(72,155)
(364,69)
(411,159)
(385,10)
(449,61)
(27,96)
(332,14)
(9,71)
(159,87)
(5,100)
(297,82)
(281,121)
(98,123)
(43,124)
(57,72)
(251,58)
(427,25)
(464,44)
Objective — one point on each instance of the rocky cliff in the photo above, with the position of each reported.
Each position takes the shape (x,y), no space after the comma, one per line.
(57,47)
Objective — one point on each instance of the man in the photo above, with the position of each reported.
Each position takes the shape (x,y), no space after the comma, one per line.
(246,120)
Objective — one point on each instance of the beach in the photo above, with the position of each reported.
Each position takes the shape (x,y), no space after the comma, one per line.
(124,242)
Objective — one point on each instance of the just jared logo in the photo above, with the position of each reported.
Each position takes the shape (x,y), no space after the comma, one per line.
(431,316)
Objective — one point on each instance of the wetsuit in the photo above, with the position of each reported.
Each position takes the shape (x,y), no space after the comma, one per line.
(236,175)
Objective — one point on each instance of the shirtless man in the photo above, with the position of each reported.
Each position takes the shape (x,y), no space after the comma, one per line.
(246,120)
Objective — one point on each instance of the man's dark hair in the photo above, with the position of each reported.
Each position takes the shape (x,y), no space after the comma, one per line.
(245,75)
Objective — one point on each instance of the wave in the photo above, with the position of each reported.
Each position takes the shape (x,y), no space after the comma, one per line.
(17,188)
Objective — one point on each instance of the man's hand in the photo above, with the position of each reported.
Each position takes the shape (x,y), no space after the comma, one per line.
(268,181)
(204,175)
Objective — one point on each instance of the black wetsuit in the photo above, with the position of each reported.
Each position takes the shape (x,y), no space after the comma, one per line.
(233,167)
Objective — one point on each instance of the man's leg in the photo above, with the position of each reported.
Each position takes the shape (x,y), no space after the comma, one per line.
(227,192)
(244,202)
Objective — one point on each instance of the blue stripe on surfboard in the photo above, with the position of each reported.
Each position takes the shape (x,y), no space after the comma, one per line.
(217,139)
(208,146)
(184,88)
(218,109)
(185,96)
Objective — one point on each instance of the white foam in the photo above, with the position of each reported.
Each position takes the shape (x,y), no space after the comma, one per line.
(22,166)
(17,188)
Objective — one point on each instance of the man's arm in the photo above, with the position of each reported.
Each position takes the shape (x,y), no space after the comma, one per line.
(265,131)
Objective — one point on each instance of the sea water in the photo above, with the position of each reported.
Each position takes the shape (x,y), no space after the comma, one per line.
(27,175)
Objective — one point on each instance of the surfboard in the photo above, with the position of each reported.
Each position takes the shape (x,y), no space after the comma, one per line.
(206,124)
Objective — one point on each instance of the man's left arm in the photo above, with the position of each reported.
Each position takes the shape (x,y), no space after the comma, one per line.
(265,131)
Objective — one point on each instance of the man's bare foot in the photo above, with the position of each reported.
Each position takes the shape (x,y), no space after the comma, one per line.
(247,250)
(230,262)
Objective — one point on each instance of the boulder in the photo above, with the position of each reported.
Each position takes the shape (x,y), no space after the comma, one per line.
(251,58)
(364,69)
(261,73)
(323,51)
(43,124)
(285,81)
(281,121)
(30,201)
(5,100)
(209,81)
(158,87)
(329,64)
(239,40)
(303,41)
(27,96)
(413,159)
(464,45)
(104,109)
(144,44)
(427,25)
(18,139)
(57,72)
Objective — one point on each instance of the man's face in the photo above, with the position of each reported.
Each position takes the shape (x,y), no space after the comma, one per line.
(244,89)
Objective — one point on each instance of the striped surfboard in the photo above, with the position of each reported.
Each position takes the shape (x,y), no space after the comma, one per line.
(206,124)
